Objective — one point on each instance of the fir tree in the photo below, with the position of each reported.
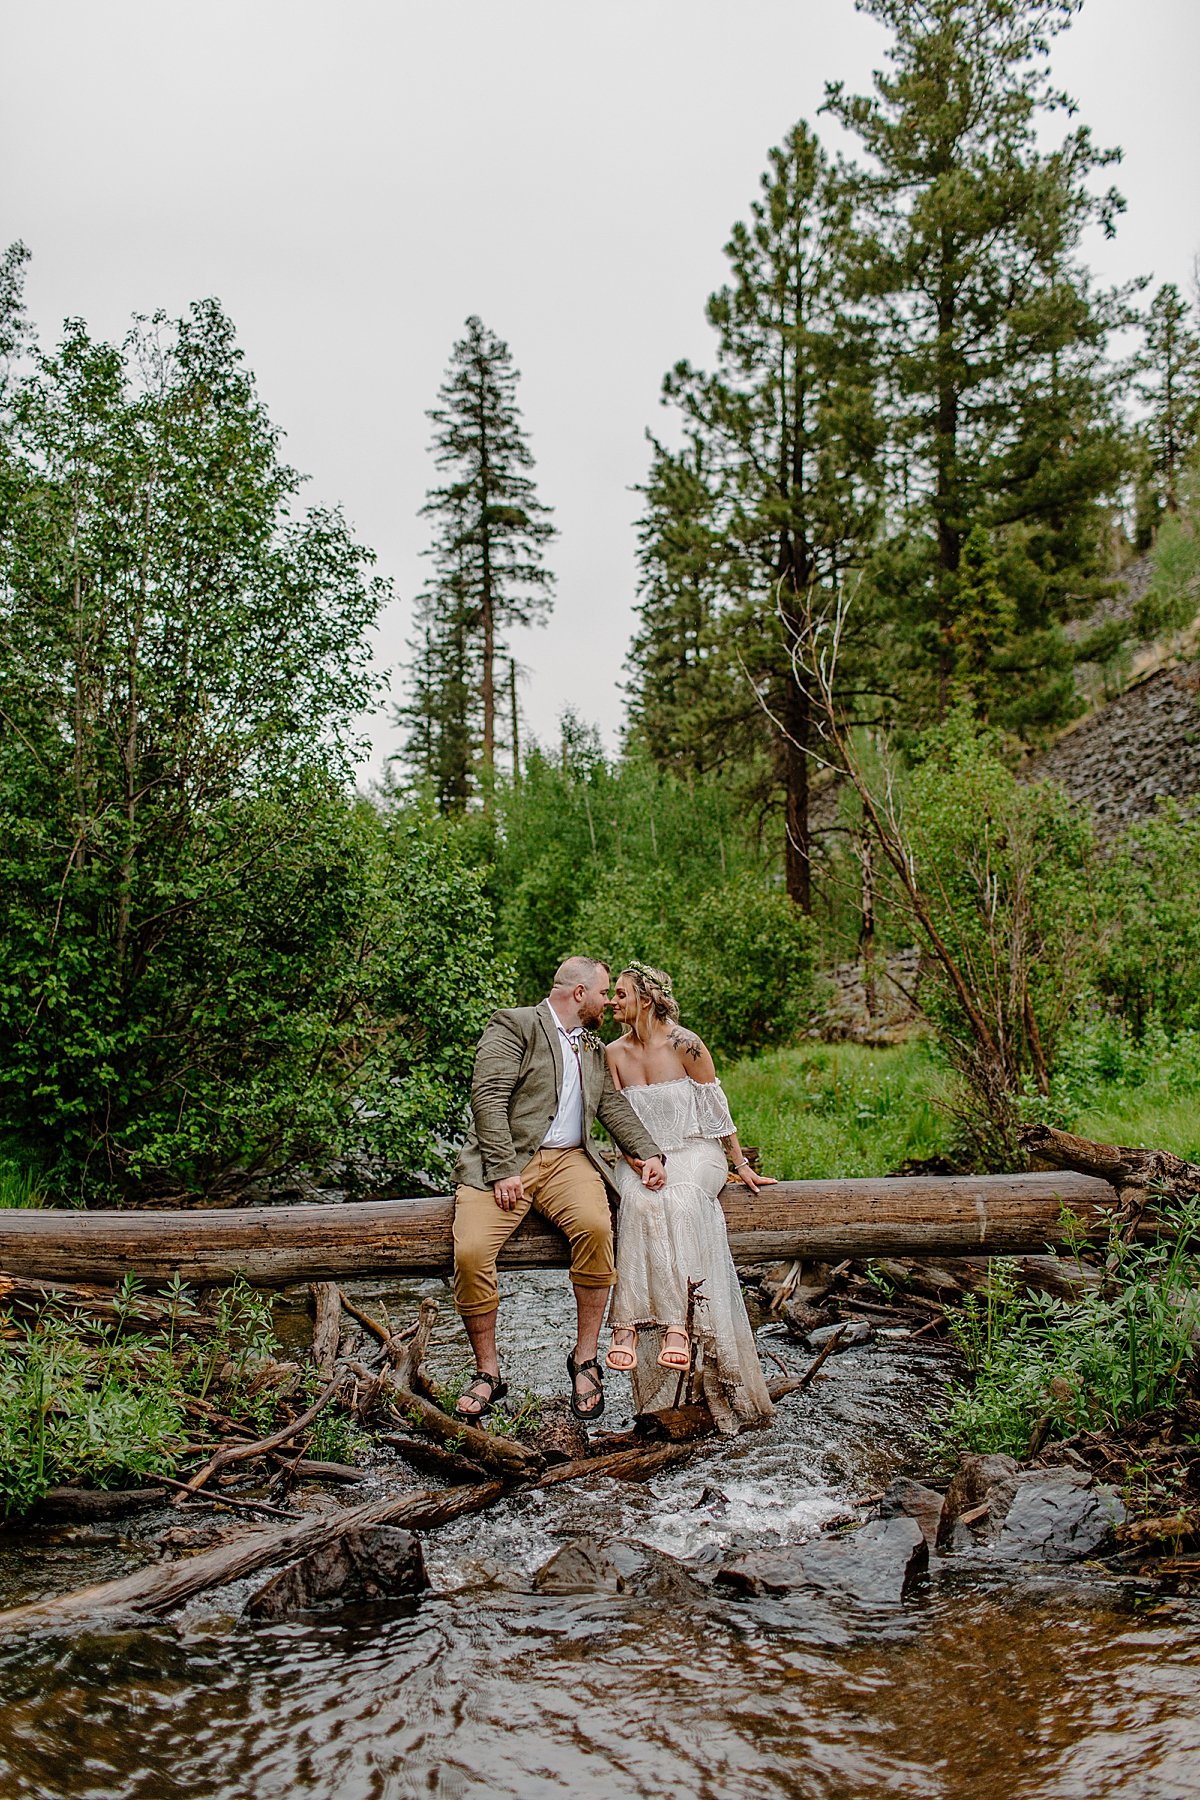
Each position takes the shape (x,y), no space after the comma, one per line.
(1170,390)
(490,534)
(1003,413)
(772,499)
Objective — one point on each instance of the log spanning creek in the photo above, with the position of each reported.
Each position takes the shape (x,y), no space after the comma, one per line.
(597,1638)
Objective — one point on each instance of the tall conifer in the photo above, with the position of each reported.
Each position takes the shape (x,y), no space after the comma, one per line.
(1170,390)
(772,499)
(968,256)
(490,535)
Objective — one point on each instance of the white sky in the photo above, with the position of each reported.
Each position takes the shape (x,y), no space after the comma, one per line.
(352,179)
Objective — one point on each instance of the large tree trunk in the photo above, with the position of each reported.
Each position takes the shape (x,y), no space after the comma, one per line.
(275,1246)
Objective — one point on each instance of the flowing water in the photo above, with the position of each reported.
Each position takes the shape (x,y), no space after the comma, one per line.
(981,1686)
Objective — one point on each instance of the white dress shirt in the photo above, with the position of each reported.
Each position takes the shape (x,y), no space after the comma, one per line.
(566,1127)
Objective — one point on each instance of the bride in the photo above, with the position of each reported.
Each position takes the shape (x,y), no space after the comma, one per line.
(677,1233)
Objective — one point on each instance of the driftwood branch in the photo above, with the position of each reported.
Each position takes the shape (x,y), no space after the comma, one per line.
(235,1453)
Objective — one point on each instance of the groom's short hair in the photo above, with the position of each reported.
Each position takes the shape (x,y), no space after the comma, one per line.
(579,971)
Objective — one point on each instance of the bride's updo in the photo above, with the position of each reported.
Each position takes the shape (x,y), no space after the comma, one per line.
(653,985)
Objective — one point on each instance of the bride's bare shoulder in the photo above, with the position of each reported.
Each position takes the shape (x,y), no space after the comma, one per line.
(692,1052)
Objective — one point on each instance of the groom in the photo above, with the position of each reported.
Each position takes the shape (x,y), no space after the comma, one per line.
(540,1079)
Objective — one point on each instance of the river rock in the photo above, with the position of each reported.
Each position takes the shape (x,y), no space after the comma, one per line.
(581,1567)
(878,1565)
(911,1499)
(979,1481)
(1057,1515)
(362,1565)
(854,1331)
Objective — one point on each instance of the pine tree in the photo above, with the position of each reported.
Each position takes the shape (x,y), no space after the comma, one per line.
(490,534)
(1170,391)
(982,624)
(772,500)
(1003,412)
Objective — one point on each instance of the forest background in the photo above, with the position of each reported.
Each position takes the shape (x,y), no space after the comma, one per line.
(876,553)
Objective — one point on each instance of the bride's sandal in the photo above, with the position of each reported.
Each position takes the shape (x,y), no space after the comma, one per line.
(679,1354)
(622,1357)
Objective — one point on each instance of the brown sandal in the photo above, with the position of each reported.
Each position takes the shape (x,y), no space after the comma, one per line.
(629,1350)
(669,1358)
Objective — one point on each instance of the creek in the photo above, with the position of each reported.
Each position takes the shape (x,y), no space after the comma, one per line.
(1039,1686)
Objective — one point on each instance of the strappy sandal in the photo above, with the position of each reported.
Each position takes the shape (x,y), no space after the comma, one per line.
(628,1351)
(669,1358)
(496,1390)
(591,1369)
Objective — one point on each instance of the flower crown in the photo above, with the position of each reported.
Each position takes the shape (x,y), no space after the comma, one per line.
(653,978)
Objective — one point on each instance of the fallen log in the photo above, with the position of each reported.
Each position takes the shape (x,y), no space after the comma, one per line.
(274,1246)
(1136,1174)
(158,1588)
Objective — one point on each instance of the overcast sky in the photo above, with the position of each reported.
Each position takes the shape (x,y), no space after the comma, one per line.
(352,179)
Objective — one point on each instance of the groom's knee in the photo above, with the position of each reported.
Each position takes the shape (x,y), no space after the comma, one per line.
(475,1250)
(584,1215)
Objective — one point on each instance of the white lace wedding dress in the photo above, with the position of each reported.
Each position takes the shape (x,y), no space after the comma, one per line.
(677,1233)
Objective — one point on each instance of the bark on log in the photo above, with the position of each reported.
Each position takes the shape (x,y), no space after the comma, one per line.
(327,1325)
(274,1246)
(1137,1174)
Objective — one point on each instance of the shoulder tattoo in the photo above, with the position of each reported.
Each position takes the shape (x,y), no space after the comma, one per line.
(686,1043)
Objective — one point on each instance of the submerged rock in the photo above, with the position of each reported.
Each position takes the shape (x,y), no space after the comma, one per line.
(878,1565)
(854,1331)
(911,1499)
(363,1565)
(581,1567)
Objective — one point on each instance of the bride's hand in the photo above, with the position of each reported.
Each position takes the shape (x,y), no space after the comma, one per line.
(753,1181)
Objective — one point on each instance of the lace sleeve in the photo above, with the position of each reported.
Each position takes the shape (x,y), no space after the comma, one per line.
(713,1118)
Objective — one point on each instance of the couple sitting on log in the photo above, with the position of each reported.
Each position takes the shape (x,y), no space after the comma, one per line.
(542,1077)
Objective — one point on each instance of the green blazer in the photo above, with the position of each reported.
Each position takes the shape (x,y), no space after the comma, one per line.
(514,1097)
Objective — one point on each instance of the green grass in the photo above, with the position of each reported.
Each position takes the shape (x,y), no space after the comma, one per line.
(825,1110)
(19,1186)
(1120,1090)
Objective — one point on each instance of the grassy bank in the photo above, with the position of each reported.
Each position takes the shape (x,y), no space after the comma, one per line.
(824,1110)
(839,1109)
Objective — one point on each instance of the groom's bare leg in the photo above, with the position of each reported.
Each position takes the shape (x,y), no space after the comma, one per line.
(481,1329)
(590,1306)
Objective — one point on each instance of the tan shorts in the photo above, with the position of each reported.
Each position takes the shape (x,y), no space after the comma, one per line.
(566,1188)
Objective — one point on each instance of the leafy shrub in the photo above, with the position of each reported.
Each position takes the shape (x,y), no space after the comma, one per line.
(101,1402)
(213,961)
(740,954)
(1150,892)
(1103,1359)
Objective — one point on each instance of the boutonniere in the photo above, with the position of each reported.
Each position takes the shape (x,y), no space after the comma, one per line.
(591,1041)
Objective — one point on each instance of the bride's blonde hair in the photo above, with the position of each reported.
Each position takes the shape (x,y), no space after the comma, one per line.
(653,985)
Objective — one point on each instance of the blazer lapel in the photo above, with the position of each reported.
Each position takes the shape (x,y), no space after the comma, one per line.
(550,1033)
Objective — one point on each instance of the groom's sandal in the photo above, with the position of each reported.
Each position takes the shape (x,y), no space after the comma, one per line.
(484,1390)
(677,1355)
(593,1390)
(623,1357)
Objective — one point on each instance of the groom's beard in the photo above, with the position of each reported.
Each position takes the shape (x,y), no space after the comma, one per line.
(591,1021)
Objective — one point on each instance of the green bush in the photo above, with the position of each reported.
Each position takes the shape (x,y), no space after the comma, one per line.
(740,954)
(1150,892)
(101,1401)
(214,962)
(1063,1366)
